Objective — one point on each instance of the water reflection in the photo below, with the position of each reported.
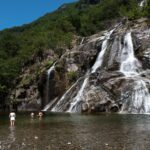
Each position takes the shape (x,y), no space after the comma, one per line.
(11,137)
(9,140)
(12,134)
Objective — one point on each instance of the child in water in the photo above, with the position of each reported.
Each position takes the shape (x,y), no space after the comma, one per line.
(12,117)
(40,115)
(32,115)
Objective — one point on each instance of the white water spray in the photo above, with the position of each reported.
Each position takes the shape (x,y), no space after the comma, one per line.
(49,71)
(77,99)
(82,41)
(141,4)
(100,57)
(52,68)
(131,67)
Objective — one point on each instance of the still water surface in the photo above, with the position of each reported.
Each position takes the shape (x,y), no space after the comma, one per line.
(76,132)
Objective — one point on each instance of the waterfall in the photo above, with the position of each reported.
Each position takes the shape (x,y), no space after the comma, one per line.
(50,104)
(58,107)
(49,72)
(99,59)
(131,68)
(82,41)
(141,4)
(97,64)
(141,101)
(52,68)
(77,99)
(75,102)
(133,85)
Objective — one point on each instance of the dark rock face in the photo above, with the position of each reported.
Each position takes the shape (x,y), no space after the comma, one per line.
(29,90)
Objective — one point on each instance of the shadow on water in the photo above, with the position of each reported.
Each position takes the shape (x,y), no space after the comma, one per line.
(57,131)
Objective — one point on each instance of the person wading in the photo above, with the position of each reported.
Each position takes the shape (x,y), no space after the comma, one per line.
(12,117)
(32,115)
(40,115)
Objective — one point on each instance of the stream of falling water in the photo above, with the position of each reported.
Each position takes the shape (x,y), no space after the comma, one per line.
(99,59)
(78,98)
(131,68)
(141,4)
(49,71)
(98,63)
(58,106)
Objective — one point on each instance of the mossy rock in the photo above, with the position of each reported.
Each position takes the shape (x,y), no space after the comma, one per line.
(72,76)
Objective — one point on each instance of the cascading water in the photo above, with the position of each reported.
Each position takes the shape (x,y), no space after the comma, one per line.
(141,4)
(98,63)
(50,104)
(131,67)
(58,106)
(82,41)
(79,97)
(49,72)
(141,99)
(99,59)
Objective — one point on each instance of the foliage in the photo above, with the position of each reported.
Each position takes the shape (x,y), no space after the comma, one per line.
(146,9)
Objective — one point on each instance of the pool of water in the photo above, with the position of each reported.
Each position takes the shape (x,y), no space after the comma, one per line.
(76,132)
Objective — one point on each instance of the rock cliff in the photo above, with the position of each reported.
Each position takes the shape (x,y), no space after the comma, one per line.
(77,82)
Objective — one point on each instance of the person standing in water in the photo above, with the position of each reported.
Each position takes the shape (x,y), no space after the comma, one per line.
(40,115)
(12,117)
(32,115)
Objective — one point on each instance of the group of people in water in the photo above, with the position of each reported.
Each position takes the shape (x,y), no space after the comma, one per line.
(40,115)
(12,117)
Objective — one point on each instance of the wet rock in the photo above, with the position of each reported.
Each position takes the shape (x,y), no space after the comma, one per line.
(84,107)
(114,108)
(100,108)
